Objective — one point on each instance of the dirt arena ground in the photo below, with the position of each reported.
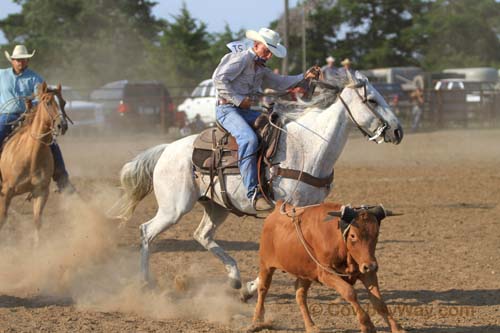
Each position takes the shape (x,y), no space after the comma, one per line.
(439,262)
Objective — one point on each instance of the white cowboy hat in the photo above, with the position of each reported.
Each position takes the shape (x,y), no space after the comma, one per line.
(20,52)
(270,38)
(346,61)
(330,59)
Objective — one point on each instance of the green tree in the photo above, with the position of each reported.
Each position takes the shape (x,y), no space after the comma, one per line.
(82,42)
(218,42)
(183,56)
(461,33)
(375,32)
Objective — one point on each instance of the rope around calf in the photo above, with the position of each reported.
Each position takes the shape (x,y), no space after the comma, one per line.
(300,235)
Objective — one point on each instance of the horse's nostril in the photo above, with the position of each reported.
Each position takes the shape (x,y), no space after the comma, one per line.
(398,133)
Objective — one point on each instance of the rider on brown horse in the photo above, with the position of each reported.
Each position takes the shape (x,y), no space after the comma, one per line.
(16,84)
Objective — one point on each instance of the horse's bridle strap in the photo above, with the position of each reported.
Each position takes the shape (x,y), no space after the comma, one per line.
(305,177)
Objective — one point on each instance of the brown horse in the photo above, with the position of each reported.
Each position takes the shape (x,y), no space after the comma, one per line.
(26,163)
(313,244)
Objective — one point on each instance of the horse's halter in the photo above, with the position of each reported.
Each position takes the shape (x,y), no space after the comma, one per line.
(54,130)
(378,135)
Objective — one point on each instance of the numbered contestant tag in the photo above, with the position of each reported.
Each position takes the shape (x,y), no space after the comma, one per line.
(237,46)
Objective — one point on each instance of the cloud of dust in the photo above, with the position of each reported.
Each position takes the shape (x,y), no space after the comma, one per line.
(79,257)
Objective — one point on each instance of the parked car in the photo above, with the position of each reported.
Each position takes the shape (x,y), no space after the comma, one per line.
(141,104)
(202,101)
(475,91)
(87,116)
(462,100)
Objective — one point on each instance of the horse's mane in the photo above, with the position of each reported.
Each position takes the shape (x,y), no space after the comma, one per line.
(29,115)
(325,97)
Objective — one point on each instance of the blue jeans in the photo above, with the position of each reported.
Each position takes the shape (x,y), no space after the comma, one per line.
(60,173)
(237,122)
(6,124)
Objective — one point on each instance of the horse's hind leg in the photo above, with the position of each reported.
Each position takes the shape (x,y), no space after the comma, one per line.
(249,290)
(176,193)
(172,205)
(213,217)
(163,220)
(39,202)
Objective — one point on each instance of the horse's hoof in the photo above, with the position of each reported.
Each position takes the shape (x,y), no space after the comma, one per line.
(235,284)
(313,329)
(256,327)
(148,285)
(370,329)
(181,283)
(245,295)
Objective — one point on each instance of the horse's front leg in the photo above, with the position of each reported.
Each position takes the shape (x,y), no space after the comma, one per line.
(213,217)
(5,198)
(39,201)
(370,281)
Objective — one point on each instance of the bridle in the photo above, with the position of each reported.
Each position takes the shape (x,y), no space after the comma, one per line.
(377,135)
(54,130)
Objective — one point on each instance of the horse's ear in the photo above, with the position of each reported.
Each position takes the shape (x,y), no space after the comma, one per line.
(59,88)
(43,87)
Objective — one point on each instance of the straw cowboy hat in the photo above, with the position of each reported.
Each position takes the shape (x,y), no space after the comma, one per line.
(346,61)
(330,59)
(270,38)
(20,52)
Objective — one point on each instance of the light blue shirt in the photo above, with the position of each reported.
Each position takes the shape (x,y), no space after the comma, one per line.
(13,89)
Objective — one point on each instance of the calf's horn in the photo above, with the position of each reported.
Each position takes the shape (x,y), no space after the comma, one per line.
(391,213)
(380,212)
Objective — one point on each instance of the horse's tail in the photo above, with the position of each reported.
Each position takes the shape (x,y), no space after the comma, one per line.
(136,179)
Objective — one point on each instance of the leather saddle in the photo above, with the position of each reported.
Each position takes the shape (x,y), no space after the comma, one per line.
(216,153)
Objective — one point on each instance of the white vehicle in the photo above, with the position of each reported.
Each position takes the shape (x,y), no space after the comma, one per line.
(202,102)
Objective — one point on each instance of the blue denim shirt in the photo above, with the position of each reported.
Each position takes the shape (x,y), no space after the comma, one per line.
(14,87)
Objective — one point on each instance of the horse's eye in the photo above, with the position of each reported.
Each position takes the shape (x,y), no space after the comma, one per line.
(372,101)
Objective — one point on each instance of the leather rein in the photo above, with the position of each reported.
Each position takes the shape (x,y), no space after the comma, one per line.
(377,135)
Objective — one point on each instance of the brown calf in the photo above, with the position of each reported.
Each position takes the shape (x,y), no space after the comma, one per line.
(314,244)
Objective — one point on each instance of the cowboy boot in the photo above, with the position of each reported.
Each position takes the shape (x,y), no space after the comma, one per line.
(261,204)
